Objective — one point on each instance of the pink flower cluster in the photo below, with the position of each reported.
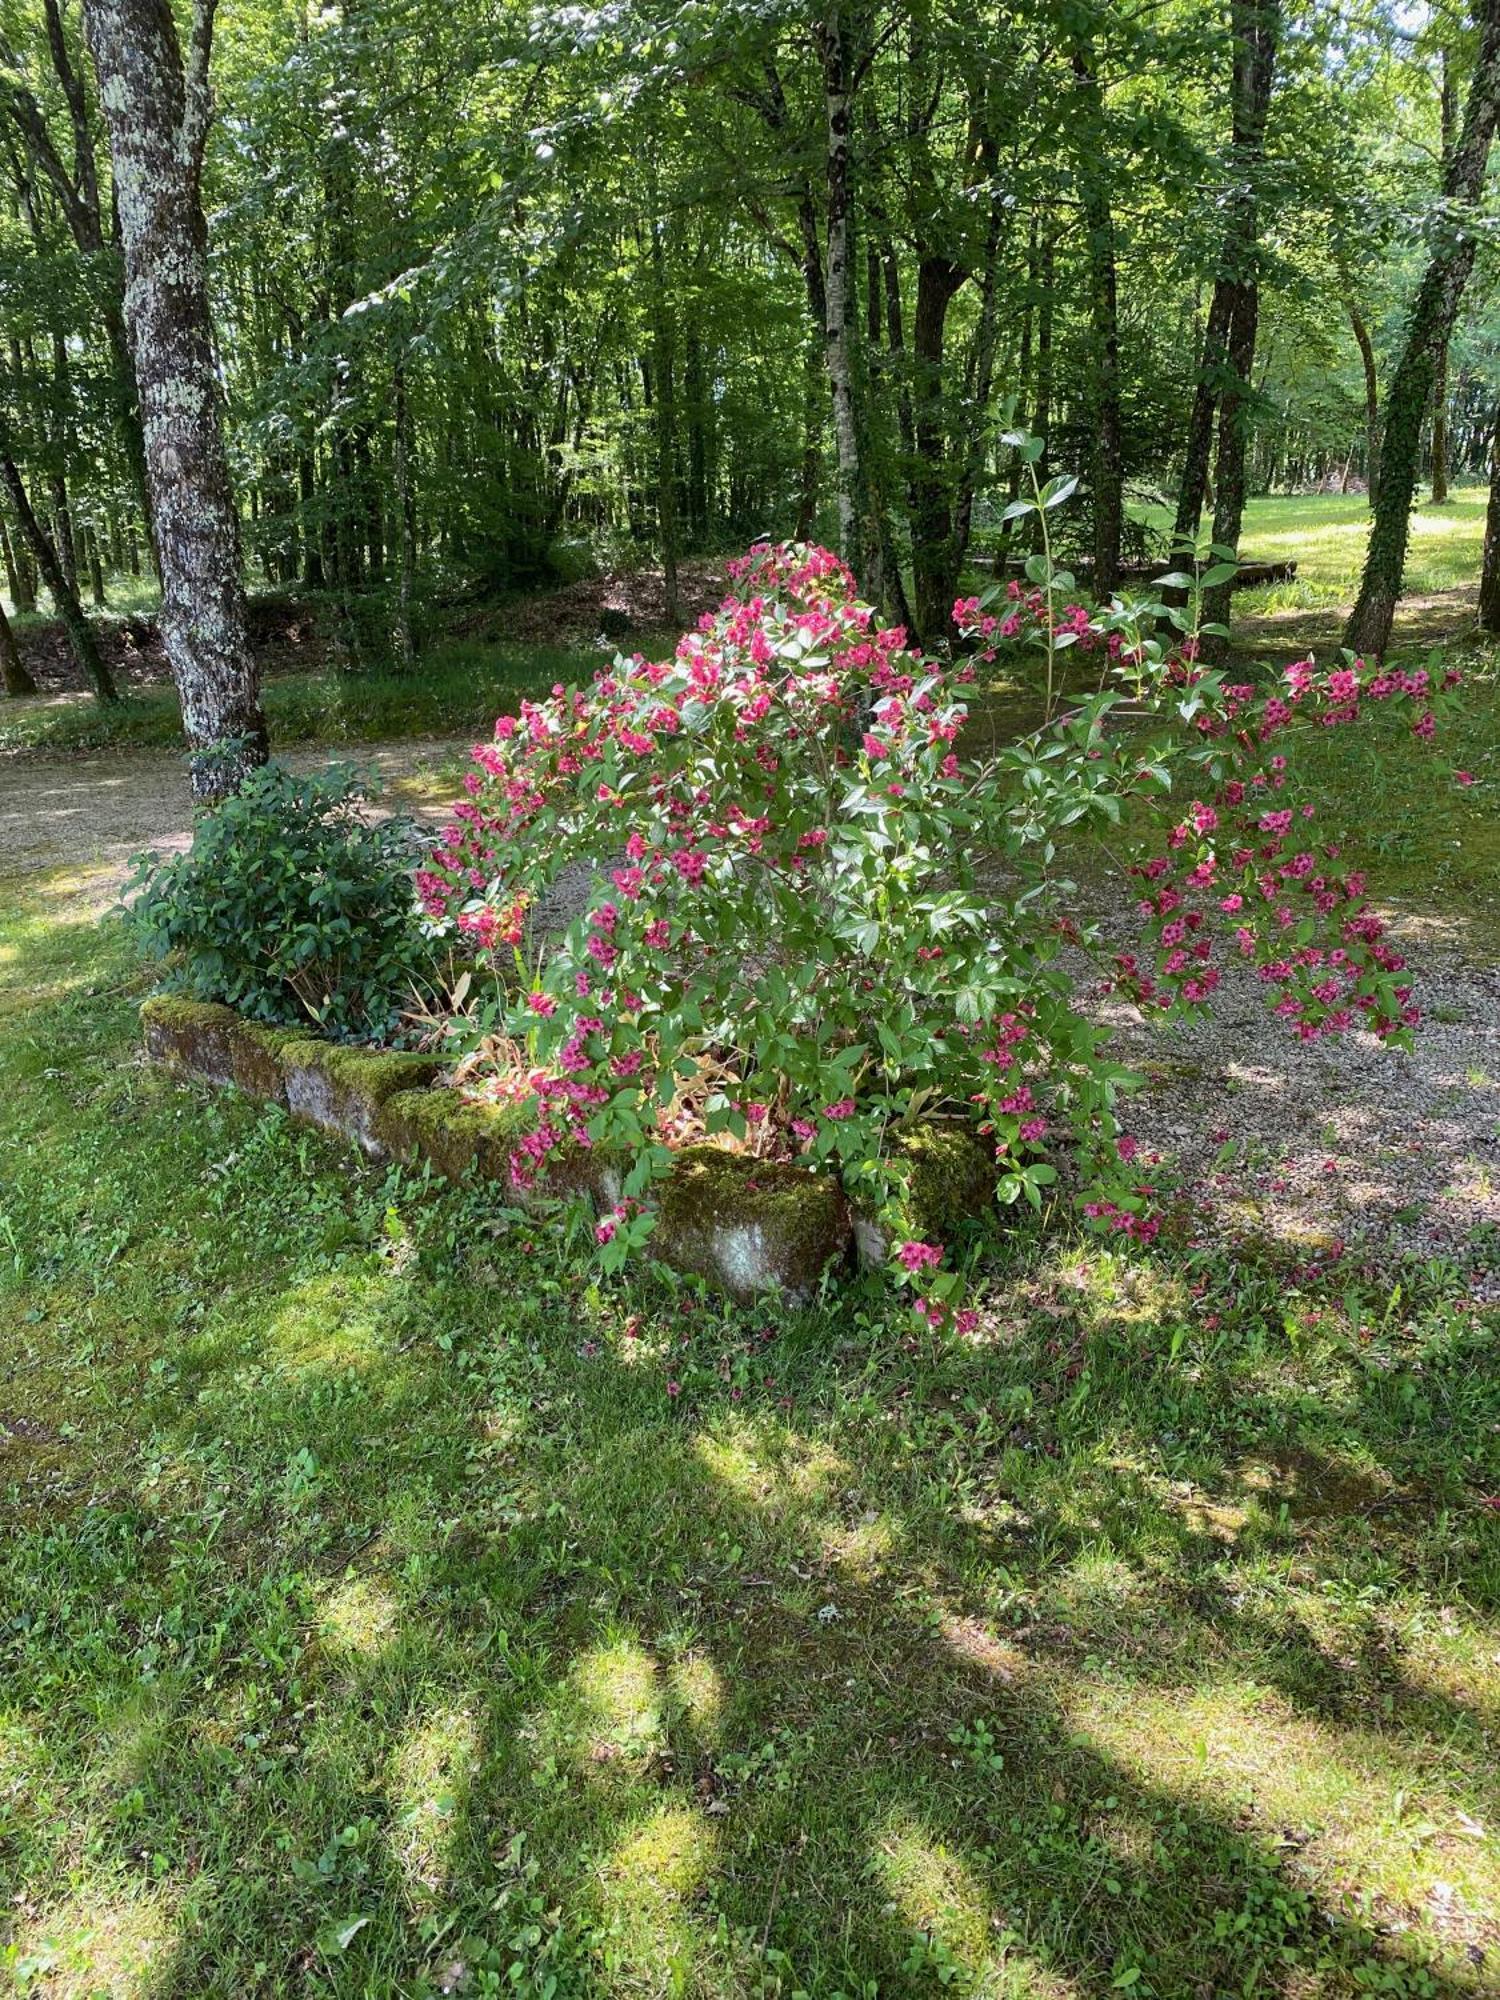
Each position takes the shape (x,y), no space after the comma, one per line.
(788,937)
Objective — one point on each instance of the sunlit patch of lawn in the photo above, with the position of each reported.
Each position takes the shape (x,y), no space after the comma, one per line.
(374,1622)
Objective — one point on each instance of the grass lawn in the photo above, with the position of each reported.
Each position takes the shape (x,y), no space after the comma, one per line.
(1325,535)
(387,1609)
(463,684)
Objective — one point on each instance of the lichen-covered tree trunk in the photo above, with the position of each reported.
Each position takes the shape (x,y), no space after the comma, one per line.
(156,110)
(838,85)
(1428,326)
(1489,575)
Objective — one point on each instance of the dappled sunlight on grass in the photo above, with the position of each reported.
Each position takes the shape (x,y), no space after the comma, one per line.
(359,1615)
(935,1896)
(607,1718)
(647,1886)
(1354,1804)
(105,1938)
(431,1772)
(404,1614)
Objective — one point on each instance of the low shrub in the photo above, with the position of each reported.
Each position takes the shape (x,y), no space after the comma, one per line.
(816,917)
(292,907)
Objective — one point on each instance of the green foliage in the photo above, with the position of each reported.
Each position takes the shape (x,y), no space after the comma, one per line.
(290,906)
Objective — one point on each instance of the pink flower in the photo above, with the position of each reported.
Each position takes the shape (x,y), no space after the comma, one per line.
(919,1256)
(1463,777)
(843,1109)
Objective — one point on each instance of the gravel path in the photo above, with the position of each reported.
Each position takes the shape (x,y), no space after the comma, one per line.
(1338,1142)
(91,814)
(1340,1145)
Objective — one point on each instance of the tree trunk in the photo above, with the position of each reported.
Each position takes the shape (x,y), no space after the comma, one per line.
(1107,476)
(406,540)
(69,610)
(1372,399)
(157,112)
(1489,576)
(1256,28)
(96,568)
(980,379)
(838,84)
(20,570)
(14,678)
(1429,324)
(1200,435)
(1234,414)
(1440,426)
(665,359)
(934,569)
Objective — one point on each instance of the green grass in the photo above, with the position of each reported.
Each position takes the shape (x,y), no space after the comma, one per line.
(375,1621)
(460,685)
(1325,535)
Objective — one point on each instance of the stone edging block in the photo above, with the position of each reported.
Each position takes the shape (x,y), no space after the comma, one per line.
(749,1227)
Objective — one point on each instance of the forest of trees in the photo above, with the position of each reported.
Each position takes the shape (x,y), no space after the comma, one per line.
(394,300)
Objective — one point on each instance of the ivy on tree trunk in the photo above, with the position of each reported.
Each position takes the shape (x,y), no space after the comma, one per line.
(1428,327)
(156,109)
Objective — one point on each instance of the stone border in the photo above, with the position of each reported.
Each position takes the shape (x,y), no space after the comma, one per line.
(749,1227)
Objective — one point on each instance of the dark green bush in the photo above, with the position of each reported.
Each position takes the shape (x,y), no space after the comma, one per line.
(291,907)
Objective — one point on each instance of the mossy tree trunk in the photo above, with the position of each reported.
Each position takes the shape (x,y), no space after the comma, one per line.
(156,108)
(1428,326)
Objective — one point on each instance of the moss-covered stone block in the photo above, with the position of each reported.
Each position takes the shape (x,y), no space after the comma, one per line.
(344,1090)
(951,1181)
(203,1039)
(749,1227)
(464,1139)
(457,1136)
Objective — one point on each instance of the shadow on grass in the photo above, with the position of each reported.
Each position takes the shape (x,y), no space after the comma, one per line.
(376,1621)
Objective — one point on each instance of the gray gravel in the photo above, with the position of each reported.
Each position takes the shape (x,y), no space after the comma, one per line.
(1343,1141)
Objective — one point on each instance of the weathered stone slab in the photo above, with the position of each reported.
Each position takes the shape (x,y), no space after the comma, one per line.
(345,1090)
(749,1227)
(200,1038)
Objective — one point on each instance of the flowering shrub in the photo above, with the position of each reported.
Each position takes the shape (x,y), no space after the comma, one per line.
(813,910)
